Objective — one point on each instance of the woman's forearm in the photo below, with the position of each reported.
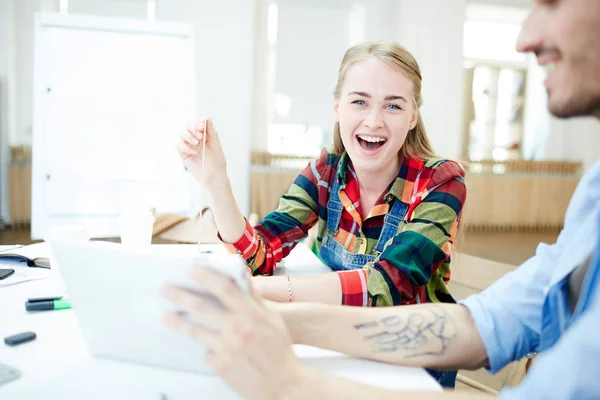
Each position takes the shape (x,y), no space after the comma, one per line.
(441,336)
(325,288)
(228,218)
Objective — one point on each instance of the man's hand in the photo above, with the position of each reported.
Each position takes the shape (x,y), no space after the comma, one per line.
(248,345)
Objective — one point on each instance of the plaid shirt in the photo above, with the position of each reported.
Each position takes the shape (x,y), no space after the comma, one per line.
(413,267)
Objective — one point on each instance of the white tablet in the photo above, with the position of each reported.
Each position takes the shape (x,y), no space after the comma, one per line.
(115,293)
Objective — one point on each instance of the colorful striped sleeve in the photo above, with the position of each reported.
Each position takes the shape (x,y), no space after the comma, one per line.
(423,244)
(354,287)
(279,232)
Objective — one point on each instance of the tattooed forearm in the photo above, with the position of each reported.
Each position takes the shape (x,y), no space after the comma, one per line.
(364,325)
(391,321)
(426,331)
(387,321)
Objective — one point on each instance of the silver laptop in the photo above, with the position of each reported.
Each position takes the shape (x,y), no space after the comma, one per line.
(115,296)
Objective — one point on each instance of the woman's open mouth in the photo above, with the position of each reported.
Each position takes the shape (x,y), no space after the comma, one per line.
(370,143)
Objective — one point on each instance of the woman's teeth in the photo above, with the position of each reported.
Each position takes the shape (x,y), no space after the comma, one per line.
(371,139)
(370,143)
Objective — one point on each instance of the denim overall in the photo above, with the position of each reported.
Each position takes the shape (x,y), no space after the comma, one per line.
(339,259)
(334,254)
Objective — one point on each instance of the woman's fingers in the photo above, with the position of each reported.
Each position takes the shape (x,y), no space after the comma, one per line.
(201,124)
(211,133)
(189,137)
(185,150)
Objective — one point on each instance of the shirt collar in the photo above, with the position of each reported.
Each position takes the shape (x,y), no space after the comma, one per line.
(396,188)
(342,168)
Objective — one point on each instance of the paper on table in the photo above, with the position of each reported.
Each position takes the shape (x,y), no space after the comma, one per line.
(23,273)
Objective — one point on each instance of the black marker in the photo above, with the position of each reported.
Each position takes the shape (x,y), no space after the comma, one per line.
(20,338)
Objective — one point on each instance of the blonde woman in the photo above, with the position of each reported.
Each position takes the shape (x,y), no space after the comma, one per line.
(386,208)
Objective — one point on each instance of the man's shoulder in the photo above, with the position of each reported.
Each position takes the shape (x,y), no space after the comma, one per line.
(585,201)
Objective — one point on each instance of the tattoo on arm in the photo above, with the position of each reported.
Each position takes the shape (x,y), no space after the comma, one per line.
(391,321)
(365,325)
(387,321)
(426,331)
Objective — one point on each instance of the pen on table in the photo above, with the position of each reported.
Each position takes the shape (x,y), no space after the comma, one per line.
(47,304)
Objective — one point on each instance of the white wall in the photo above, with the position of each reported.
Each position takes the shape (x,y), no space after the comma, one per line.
(261,117)
(381,19)
(110,8)
(310,45)
(5,29)
(433,31)
(24,12)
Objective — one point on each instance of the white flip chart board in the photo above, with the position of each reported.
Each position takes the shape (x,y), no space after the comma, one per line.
(110,97)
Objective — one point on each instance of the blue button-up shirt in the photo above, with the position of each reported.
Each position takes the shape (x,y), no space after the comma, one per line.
(528,310)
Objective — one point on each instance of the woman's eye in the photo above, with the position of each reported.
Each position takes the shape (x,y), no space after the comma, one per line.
(359,102)
(394,107)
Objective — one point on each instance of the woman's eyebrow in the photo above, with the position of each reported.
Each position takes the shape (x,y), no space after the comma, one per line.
(368,96)
(387,98)
(363,94)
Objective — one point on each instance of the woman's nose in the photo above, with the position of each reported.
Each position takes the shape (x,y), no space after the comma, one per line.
(374,120)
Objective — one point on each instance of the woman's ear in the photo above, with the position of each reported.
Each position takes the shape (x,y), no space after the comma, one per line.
(336,114)
(413,121)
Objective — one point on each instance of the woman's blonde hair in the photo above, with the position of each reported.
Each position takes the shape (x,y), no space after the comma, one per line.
(416,144)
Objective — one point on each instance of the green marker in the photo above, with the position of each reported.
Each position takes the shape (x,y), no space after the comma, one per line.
(47,304)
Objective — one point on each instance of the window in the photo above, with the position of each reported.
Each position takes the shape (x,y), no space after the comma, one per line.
(498,95)
(497,74)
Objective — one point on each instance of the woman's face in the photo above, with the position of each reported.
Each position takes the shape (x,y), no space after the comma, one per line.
(375,112)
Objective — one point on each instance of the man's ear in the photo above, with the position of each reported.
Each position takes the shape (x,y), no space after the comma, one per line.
(336,114)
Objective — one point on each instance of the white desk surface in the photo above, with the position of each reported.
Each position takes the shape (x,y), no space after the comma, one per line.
(58,365)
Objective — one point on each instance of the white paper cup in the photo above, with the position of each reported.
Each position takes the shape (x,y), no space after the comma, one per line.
(136,228)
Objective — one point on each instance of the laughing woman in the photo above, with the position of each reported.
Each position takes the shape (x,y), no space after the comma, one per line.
(386,208)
